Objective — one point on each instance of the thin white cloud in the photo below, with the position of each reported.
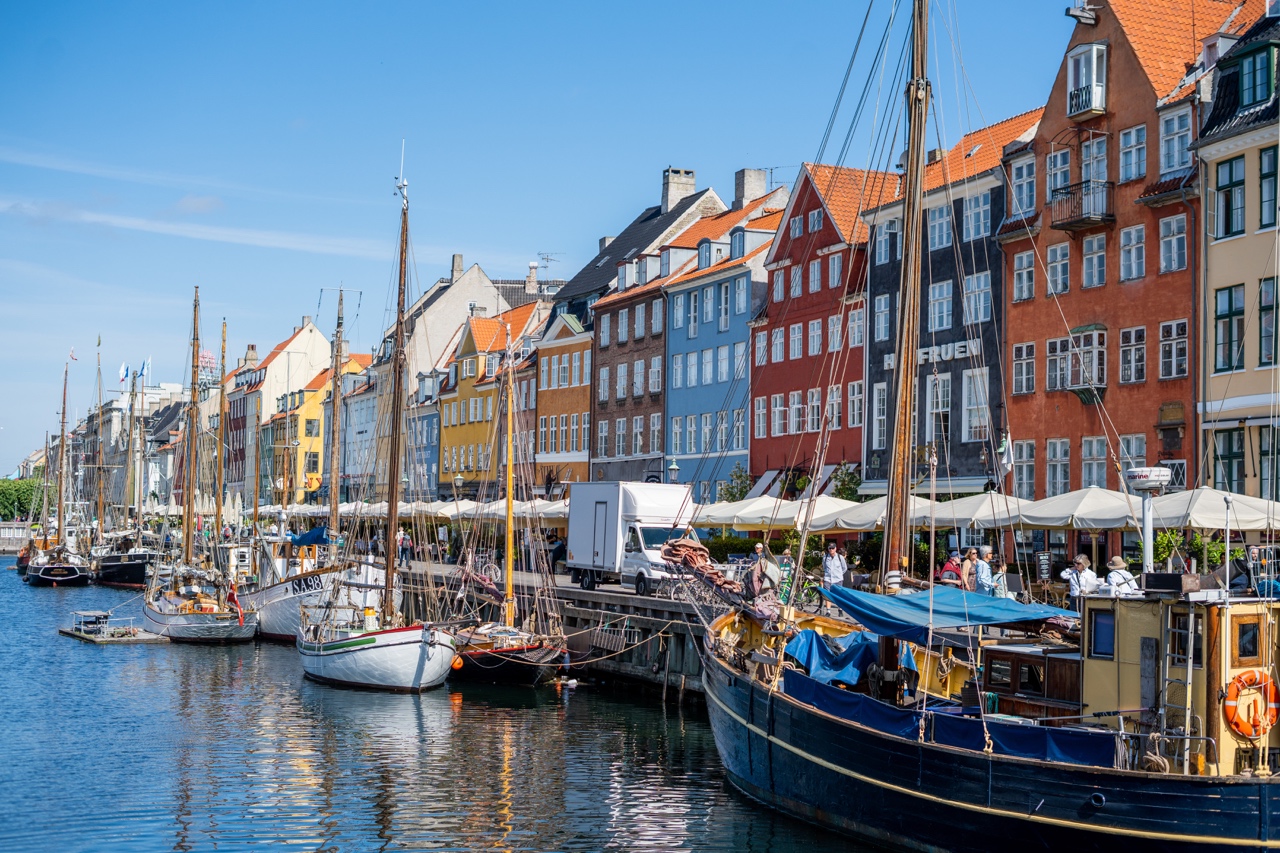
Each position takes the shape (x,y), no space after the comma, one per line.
(36,160)
(197,204)
(310,243)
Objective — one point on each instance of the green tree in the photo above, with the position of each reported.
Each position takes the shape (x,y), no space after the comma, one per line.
(845,482)
(738,486)
(17,497)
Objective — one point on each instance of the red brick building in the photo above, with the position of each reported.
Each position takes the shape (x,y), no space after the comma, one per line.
(1100,256)
(808,341)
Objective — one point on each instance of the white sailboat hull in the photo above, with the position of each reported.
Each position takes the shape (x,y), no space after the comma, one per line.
(280,605)
(406,660)
(201,627)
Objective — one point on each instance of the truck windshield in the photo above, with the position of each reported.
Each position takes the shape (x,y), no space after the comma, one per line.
(654,537)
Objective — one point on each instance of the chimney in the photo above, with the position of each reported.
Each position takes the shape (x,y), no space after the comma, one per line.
(457,269)
(677,185)
(748,185)
(306,320)
(251,356)
(531,280)
(478,310)
(604,243)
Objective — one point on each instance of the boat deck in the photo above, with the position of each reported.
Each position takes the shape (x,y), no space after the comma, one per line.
(97,627)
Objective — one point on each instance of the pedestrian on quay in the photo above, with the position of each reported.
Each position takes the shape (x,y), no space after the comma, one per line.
(833,567)
(982,572)
(1081,581)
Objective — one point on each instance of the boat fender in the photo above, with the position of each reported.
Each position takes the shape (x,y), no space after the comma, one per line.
(457,663)
(1097,800)
(1252,724)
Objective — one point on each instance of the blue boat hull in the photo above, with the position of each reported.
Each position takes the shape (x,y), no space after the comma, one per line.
(912,795)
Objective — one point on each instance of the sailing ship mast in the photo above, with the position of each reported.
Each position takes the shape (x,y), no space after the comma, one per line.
(62,458)
(101,468)
(128,470)
(335,405)
(222,434)
(257,477)
(898,548)
(44,494)
(509,593)
(397,406)
(188,491)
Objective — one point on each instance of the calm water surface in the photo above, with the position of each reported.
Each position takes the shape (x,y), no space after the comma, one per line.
(148,748)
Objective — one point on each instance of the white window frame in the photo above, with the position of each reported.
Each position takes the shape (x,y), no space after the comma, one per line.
(1093,261)
(977,216)
(976,414)
(1024,276)
(1133,355)
(1024,368)
(1058,264)
(940,310)
(677,370)
(977,298)
(1175,140)
(1133,253)
(1133,153)
(939,217)
(815,337)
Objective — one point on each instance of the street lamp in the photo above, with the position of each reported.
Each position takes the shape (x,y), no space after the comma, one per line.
(673,472)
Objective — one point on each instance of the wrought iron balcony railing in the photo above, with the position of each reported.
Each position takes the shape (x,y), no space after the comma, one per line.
(1083,205)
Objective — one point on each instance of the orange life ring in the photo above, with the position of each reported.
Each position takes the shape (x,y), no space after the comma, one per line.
(1247,719)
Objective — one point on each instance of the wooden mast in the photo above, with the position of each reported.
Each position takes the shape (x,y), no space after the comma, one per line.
(44,495)
(128,465)
(509,594)
(222,435)
(101,468)
(396,413)
(62,458)
(898,548)
(335,407)
(257,477)
(189,476)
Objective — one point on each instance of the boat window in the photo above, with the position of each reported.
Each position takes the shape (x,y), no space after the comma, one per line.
(1102,634)
(1246,651)
(999,672)
(1031,678)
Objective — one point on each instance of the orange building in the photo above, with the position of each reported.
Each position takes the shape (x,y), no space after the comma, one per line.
(562,434)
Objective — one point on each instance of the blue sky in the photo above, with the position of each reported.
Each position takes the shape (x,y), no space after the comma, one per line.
(250,149)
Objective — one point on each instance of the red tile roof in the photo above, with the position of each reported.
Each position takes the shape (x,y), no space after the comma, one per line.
(979,150)
(321,380)
(490,333)
(769,222)
(717,227)
(850,192)
(714,268)
(651,286)
(1166,35)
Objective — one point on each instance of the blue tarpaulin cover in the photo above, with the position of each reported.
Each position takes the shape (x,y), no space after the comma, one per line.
(1043,743)
(907,617)
(860,651)
(314,536)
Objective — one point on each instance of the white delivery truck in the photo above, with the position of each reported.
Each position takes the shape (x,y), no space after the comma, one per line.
(616,531)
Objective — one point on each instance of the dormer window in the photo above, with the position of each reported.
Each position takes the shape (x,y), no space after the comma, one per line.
(1086,81)
(622,277)
(642,271)
(1255,78)
(704,254)
(737,244)
(664,263)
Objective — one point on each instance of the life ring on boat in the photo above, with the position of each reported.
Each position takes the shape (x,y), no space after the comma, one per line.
(1254,724)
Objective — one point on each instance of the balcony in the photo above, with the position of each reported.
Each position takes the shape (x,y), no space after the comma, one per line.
(1087,204)
(1085,102)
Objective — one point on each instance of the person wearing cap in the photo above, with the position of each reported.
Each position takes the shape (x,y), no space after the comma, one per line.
(1080,579)
(833,567)
(982,572)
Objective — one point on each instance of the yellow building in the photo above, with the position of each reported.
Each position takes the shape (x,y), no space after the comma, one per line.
(297,433)
(469,398)
(1240,404)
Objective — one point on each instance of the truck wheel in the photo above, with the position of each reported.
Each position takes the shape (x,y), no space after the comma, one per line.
(642,585)
(588,580)
(575,577)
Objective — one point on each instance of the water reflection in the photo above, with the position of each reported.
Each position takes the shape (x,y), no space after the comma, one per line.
(187,748)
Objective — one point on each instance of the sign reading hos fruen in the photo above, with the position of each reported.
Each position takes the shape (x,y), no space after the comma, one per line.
(941,352)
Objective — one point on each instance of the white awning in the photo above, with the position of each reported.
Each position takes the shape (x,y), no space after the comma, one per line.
(765,481)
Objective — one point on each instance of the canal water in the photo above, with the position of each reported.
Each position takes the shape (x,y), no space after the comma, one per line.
(150,748)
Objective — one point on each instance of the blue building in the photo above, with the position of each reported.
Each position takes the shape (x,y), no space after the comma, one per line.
(422,450)
(718,287)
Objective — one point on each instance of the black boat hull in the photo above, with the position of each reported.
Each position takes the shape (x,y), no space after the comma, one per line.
(527,665)
(124,571)
(912,795)
(56,575)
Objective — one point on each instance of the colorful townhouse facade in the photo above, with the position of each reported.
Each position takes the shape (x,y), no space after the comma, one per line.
(557,397)
(468,398)
(1239,409)
(960,408)
(718,287)
(808,339)
(634,251)
(1102,212)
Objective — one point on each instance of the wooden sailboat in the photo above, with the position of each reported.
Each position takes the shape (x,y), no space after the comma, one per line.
(127,561)
(35,544)
(358,637)
(60,564)
(501,652)
(194,600)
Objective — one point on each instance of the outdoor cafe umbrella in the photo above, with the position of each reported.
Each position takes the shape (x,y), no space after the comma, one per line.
(869,515)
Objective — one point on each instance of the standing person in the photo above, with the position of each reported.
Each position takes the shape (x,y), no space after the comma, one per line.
(967,567)
(1081,581)
(982,572)
(787,565)
(406,549)
(833,567)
